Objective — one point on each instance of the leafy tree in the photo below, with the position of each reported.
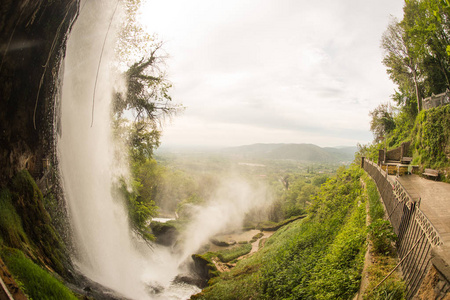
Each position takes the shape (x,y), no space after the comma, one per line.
(382,122)
(138,111)
(402,63)
(426,22)
(145,102)
(319,180)
(417,52)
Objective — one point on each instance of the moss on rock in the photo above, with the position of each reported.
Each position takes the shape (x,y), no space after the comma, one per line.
(11,230)
(29,205)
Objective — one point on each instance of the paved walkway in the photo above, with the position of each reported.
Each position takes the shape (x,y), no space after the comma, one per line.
(434,203)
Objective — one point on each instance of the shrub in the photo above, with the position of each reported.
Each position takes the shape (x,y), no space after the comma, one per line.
(382,236)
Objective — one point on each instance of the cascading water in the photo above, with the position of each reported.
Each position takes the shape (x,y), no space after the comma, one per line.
(102,236)
(106,251)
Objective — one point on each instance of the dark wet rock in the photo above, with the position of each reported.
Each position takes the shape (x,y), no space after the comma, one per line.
(192,279)
(154,288)
(222,243)
(166,234)
(33,35)
(87,289)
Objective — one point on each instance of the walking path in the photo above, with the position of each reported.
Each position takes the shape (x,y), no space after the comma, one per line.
(435,204)
(434,201)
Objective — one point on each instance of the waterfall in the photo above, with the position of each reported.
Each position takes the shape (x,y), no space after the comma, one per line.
(105,249)
(105,252)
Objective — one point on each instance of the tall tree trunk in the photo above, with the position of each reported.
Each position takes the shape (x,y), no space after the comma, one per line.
(416,87)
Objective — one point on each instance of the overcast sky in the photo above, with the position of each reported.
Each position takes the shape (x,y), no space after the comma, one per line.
(273,71)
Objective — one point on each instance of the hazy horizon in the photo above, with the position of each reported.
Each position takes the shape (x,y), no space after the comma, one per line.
(173,147)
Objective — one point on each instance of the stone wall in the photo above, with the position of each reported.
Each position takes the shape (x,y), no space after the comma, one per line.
(434,286)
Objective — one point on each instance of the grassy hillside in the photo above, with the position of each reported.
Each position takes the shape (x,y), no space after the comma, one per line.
(319,257)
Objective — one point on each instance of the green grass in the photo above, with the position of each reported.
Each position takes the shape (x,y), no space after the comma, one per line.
(393,288)
(228,255)
(38,284)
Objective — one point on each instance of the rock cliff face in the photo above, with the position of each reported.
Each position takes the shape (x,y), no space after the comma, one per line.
(33,35)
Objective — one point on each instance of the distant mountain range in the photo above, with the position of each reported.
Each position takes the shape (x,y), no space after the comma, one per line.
(299,152)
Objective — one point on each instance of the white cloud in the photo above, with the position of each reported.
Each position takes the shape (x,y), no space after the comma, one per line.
(273,70)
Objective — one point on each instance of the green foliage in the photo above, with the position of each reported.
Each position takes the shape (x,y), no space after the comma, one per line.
(292,210)
(228,255)
(11,229)
(205,260)
(319,180)
(174,186)
(256,237)
(138,113)
(432,136)
(139,210)
(291,273)
(147,96)
(383,255)
(382,122)
(429,134)
(338,274)
(382,236)
(376,209)
(402,63)
(37,283)
(416,53)
(36,222)
(329,244)
(300,191)
(393,288)
(402,132)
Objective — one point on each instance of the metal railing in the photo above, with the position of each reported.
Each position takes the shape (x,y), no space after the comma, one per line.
(416,236)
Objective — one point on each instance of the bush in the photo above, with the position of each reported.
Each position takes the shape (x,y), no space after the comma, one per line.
(382,236)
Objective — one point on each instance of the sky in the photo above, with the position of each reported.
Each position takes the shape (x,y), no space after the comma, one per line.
(273,71)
